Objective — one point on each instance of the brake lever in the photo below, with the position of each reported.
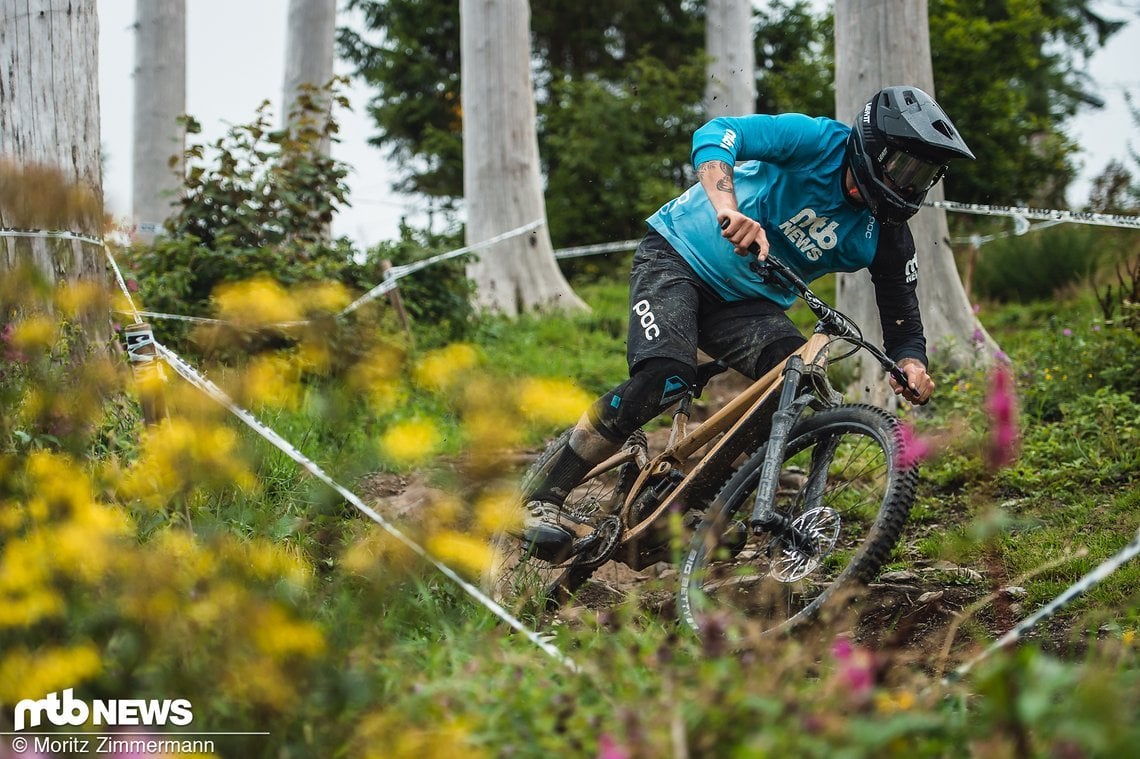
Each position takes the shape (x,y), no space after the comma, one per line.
(900,377)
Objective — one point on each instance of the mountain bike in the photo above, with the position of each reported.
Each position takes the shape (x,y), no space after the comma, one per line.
(791,496)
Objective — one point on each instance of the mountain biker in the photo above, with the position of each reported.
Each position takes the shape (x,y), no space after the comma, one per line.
(818,194)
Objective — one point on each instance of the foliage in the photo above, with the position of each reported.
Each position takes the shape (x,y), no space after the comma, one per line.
(256,201)
(592,67)
(795,56)
(1012,110)
(1036,265)
(618,95)
(438,300)
(190,559)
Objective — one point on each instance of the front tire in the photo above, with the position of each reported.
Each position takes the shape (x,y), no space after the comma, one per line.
(841,483)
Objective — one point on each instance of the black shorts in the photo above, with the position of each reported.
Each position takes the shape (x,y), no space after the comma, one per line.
(673,313)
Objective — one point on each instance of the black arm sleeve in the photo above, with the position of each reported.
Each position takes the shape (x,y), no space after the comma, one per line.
(895,275)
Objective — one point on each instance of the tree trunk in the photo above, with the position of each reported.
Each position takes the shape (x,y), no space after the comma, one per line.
(160,98)
(309,52)
(731,88)
(879,43)
(49,118)
(502,184)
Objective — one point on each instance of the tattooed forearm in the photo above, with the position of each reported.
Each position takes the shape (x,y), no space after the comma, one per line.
(720,172)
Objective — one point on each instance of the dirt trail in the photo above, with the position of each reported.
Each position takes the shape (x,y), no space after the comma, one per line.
(910,612)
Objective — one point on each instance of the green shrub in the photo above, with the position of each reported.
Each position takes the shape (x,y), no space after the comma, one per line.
(257,201)
(1035,265)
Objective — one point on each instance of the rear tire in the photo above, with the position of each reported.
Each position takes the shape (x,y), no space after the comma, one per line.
(532,587)
(840,482)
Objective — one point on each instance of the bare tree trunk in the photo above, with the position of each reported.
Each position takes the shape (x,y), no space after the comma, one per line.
(49,117)
(160,98)
(309,52)
(879,43)
(731,87)
(502,184)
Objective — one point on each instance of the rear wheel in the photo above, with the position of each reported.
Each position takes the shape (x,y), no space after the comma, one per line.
(841,486)
(531,586)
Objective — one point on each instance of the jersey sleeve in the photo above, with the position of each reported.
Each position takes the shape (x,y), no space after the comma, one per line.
(894,272)
(788,139)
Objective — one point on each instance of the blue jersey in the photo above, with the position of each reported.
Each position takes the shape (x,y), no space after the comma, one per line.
(789,176)
(790,179)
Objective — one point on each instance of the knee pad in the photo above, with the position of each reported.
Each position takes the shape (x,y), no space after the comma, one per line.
(653,386)
(775,353)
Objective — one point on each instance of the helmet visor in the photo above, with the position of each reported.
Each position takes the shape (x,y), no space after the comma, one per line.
(910,174)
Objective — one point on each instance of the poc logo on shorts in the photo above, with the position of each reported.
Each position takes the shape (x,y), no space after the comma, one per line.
(810,233)
(648,320)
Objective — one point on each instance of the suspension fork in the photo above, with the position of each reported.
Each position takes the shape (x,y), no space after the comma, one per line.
(765,518)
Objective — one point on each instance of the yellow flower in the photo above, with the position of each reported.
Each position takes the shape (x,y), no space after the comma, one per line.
(497,512)
(313,357)
(409,442)
(34,333)
(443,369)
(387,736)
(255,302)
(34,674)
(323,297)
(278,635)
(461,552)
(899,701)
(1128,637)
(491,430)
(75,298)
(272,381)
(552,401)
(377,377)
(268,561)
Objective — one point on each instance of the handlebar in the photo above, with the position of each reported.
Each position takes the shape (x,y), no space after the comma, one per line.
(777,272)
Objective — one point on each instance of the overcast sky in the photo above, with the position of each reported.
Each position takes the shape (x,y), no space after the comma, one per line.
(235,60)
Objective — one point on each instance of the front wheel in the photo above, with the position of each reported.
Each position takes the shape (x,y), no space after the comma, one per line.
(843,489)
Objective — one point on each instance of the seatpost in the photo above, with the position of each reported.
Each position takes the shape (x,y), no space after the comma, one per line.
(764,516)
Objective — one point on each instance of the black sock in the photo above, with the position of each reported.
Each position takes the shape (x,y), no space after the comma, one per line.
(568,470)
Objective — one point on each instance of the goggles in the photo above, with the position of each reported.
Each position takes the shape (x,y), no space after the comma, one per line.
(910,174)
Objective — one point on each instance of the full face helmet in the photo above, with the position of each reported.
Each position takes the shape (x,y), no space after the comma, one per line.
(899,146)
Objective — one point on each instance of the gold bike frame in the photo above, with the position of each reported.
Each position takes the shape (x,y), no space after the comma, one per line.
(730,419)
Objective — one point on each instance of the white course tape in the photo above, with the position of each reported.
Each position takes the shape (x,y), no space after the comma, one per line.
(1037,214)
(591,250)
(1107,567)
(398,272)
(188,373)
(50,235)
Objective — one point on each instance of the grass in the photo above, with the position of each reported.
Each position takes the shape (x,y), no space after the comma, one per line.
(410,666)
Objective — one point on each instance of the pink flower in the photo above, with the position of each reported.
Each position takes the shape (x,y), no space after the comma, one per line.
(1067,332)
(609,749)
(978,337)
(913,448)
(1001,406)
(856,672)
(1096,328)
(977,308)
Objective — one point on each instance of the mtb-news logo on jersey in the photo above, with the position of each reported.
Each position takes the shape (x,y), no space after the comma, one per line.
(811,233)
(63,710)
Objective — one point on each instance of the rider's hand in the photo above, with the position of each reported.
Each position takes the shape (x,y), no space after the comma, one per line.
(919,380)
(743,232)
